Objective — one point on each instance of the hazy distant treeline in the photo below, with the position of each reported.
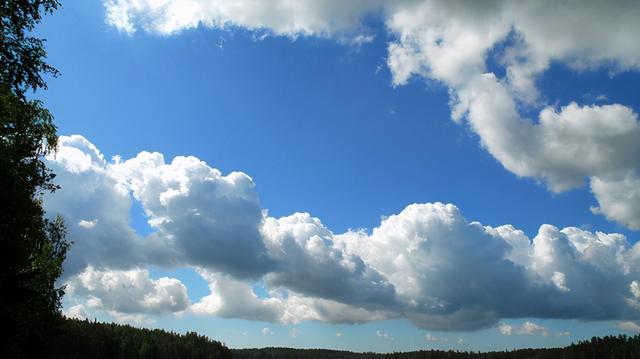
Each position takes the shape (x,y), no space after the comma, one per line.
(611,347)
(85,339)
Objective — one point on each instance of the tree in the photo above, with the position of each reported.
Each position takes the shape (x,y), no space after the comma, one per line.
(32,247)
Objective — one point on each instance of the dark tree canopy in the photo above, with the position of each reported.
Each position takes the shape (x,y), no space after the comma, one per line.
(23,56)
(32,247)
(84,339)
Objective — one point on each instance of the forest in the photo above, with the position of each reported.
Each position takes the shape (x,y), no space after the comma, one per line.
(86,339)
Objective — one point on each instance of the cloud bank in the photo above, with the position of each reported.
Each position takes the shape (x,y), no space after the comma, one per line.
(427,264)
(450,42)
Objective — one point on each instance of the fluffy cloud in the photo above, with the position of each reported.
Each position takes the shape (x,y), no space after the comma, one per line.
(564,147)
(208,219)
(130,291)
(307,17)
(427,264)
(527,328)
(450,41)
(95,206)
(309,262)
(232,298)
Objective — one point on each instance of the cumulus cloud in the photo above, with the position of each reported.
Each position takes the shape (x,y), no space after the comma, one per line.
(427,264)
(310,262)
(232,298)
(450,42)
(209,219)
(129,292)
(564,147)
(95,206)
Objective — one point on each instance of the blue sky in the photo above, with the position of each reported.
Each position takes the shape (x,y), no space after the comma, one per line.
(326,125)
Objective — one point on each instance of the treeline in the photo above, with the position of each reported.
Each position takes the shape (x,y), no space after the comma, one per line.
(609,347)
(75,339)
(85,339)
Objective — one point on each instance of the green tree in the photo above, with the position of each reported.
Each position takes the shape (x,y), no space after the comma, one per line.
(32,247)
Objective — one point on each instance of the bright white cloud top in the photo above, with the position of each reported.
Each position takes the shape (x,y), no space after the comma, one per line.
(449,42)
(427,264)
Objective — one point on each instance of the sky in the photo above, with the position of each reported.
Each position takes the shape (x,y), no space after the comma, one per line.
(363,175)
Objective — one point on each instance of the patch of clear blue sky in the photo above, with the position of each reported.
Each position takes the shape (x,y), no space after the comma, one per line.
(319,128)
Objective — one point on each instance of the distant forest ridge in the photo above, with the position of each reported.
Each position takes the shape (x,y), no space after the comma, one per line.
(85,339)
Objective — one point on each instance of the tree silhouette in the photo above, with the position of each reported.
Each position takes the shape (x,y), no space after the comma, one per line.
(32,247)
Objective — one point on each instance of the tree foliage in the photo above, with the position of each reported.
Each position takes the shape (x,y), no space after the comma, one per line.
(32,247)
(84,339)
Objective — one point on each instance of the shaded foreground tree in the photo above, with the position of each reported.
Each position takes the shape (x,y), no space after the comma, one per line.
(32,247)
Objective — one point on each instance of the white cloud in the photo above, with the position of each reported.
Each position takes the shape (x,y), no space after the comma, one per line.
(307,17)
(383,335)
(310,262)
(208,219)
(266,331)
(559,279)
(91,198)
(619,197)
(629,326)
(128,292)
(450,41)
(635,289)
(232,298)
(505,329)
(76,312)
(87,224)
(564,147)
(432,338)
(527,328)
(427,264)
